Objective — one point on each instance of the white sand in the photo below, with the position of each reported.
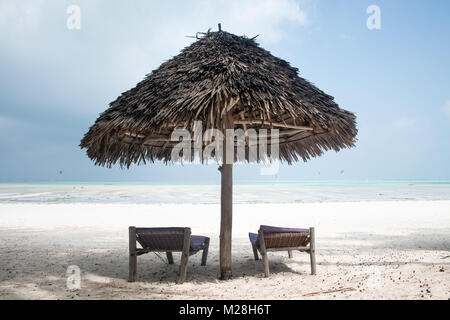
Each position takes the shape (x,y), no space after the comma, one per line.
(384,250)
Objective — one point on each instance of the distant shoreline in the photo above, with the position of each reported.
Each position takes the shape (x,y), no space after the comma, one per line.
(305,192)
(240,182)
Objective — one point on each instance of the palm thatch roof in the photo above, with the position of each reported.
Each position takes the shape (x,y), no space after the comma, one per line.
(221,77)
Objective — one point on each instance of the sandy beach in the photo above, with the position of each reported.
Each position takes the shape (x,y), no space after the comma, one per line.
(365,250)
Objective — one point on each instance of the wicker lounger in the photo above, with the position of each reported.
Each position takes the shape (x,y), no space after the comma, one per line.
(283,239)
(166,240)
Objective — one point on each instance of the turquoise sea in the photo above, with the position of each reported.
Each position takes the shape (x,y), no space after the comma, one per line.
(244,192)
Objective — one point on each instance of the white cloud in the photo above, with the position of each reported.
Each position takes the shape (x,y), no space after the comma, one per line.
(264,17)
(242,17)
(405,122)
(160,25)
(119,42)
(446,107)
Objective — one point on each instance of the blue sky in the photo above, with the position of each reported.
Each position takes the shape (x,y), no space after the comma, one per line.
(54,81)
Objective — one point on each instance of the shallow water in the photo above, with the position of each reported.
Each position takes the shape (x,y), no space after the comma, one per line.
(279,192)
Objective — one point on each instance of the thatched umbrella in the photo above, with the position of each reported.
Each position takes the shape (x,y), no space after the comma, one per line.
(225,81)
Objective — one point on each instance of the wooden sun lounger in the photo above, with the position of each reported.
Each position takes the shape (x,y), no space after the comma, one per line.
(166,240)
(283,239)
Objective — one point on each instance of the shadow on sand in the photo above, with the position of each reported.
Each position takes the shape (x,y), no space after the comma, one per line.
(43,260)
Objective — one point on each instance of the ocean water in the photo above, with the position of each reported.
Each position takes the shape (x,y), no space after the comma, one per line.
(275,192)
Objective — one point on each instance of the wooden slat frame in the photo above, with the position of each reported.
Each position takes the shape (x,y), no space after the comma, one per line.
(134,252)
(311,250)
(184,256)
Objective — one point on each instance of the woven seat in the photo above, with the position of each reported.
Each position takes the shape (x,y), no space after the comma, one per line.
(167,239)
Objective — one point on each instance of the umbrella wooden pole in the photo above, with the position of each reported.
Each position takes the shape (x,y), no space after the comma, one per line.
(226,216)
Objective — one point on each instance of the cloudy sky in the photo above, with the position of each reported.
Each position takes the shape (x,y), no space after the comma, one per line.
(54,81)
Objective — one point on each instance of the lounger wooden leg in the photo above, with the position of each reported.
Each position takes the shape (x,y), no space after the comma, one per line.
(312,251)
(184,256)
(133,255)
(266,263)
(262,248)
(255,252)
(169,257)
(290,254)
(205,252)
(183,268)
